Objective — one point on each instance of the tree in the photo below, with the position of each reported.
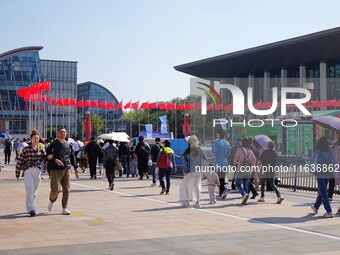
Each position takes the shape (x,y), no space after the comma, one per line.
(97,122)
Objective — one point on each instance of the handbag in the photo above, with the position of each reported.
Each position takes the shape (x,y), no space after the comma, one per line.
(118,166)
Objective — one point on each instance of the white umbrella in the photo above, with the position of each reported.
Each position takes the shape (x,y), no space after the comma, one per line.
(116,136)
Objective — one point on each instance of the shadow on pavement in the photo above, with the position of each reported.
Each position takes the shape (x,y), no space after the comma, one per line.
(286,220)
(19,216)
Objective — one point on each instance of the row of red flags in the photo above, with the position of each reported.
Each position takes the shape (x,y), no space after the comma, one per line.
(165,106)
(34,89)
(33,93)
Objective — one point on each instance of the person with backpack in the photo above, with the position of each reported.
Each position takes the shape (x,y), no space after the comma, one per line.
(109,159)
(269,159)
(244,160)
(61,158)
(322,165)
(143,155)
(166,164)
(30,162)
(7,150)
(220,152)
(154,156)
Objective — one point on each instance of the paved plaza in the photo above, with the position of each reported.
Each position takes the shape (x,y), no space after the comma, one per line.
(136,219)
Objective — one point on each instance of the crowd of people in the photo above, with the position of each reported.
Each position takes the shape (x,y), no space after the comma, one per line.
(58,156)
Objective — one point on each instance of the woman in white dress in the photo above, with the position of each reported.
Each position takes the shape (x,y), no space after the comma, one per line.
(193,158)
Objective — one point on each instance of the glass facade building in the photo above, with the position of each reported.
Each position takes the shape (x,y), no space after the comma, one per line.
(63,77)
(93,91)
(18,69)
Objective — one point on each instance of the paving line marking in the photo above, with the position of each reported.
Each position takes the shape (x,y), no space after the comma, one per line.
(218,213)
(19,194)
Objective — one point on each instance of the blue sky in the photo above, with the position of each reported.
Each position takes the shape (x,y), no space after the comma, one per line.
(130,47)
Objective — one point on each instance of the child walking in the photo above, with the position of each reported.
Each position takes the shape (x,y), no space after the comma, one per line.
(213,181)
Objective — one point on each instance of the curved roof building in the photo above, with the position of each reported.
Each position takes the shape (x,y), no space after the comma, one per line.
(94,91)
(18,69)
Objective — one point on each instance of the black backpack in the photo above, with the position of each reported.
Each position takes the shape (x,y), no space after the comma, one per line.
(155,151)
(8,145)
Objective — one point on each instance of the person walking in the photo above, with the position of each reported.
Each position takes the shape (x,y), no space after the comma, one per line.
(16,146)
(220,152)
(92,151)
(268,160)
(143,154)
(30,162)
(213,181)
(166,164)
(322,164)
(154,156)
(123,151)
(191,185)
(245,161)
(8,150)
(109,159)
(60,157)
(133,161)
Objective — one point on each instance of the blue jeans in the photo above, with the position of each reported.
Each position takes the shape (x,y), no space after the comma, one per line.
(152,170)
(323,195)
(165,172)
(238,183)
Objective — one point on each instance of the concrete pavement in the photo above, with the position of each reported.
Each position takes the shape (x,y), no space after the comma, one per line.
(135,219)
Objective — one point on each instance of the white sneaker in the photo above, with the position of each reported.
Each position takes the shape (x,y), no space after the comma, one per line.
(65,211)
(50,206)
(261,199)
(197,205)
(185,203)
(315,211)
(328,215)
(279,200)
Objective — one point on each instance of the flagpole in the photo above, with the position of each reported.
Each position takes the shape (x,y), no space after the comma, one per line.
(175,121)
(157,115)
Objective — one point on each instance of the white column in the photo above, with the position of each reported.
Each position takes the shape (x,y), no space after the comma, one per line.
(266,88)
(323,81)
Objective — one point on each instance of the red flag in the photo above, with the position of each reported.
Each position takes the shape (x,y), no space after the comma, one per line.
(94,103)
(66,102)
(187,107)
(102,104)
(144,105)
(135,105)
(48,99)
(218,107)
(162,106)
(54,102)
(80,103)
(127,105)
(228,107)
(72,102)
(171,106)
(87,103)
(119,106)
(153,105)
(180,107)
(60,102)
(109,105)
(198,106)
